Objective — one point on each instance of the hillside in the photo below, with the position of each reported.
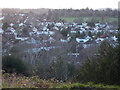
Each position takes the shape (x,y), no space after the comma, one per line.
(60,48)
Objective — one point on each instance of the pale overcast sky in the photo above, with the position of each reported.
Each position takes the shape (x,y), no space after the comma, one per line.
(75,4)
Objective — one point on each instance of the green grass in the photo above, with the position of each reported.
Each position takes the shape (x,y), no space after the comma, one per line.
(108,19)
(19,81)
(112,19)
(90,85)
(69,19)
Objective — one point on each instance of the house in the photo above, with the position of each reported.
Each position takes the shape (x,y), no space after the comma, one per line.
(59,24)
(9,33)
(12,29)
(73,54)
(98,40)
(34,29)
(51,32)
(21,38)
(31,41)
(114,38)
(56,28)
(82,40)
(64,41)
(11,24)
(103,36)
(21,24)
(84,24)
(51,39)
(1,31)
(72,31)
(88,37)
(1,18)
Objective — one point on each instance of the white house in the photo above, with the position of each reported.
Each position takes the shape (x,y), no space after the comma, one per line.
(82,40)
(1,31)
(64,41)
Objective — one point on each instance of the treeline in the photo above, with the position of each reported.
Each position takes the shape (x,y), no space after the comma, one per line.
(63,15)
(83,13)
(55,13)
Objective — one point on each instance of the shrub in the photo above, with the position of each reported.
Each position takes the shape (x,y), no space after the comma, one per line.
(13,64)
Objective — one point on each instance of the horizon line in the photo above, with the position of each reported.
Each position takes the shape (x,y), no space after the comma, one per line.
(60,8)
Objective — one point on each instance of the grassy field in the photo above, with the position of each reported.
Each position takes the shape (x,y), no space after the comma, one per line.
(83,19)
(69,19)
(19,81)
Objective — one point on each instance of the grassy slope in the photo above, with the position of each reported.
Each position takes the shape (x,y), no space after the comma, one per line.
(15,81)
(71,19)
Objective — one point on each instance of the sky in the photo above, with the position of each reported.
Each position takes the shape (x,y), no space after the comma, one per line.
(59,4)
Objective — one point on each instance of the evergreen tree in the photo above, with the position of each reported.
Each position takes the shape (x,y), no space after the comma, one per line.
(13,64)
(90,34)
(64,32)
(104,68)
(5,26)
(77,34)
